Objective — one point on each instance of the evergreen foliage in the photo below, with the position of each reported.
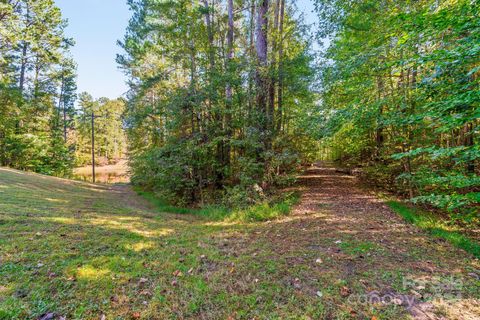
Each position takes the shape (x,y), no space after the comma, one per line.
(220,92)
(37,87)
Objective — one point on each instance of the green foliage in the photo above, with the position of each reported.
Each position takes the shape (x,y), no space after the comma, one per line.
(401,95)
(110,137)
(37,88)
(277,207)
(207,120)
(436,227)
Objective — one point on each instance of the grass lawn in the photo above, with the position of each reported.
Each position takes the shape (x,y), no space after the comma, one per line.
(82,251)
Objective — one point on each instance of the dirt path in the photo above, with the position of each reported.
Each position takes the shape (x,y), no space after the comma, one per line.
(94,251)
(366,252)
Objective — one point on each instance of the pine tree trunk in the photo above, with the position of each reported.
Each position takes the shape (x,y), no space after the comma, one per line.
(272,85)
(23,67)
(229,93)
(262,50)
(280,69)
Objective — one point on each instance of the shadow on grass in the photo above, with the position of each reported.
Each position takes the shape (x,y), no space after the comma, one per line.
(435,227)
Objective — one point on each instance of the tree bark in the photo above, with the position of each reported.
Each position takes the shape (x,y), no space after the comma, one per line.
(229,93)
(208,21)
(470,142)
(272,84)
(23,67)
(280,68)
(379,136)
(262,50)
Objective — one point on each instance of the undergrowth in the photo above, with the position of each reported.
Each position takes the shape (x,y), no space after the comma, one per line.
(267,210)
(435,226)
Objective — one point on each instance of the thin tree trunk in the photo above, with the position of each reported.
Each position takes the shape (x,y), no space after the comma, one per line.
(229,94)
(60,100)
(23,67)
(251,51)
(230,34)
(379,136)
(262,50)
(208,21)
(24,61)
(469,142)
(272,85)
(280,68)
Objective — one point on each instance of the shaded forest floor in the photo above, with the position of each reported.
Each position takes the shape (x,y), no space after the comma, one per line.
(73,250)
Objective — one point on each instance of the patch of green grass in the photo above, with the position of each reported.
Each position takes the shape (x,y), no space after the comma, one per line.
(260,212)
(435,227)
(162,205)
(357,247)
(265,211)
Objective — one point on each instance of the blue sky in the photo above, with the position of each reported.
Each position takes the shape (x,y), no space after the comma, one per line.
(96,25)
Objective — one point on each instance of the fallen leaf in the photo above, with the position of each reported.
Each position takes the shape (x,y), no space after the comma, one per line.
(177,273)
(146,293)
(136,315)
(345,292)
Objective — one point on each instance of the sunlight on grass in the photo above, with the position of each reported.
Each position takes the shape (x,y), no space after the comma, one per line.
(56,200)
(90,273)
(256,213)
(140,246)
(134,227)
(4,290)
(62,220)
(435,227)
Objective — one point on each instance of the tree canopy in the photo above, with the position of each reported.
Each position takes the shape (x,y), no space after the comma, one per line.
(401,96)
(228,99)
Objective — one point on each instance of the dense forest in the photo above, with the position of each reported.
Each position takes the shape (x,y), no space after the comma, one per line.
(401,98)
(40,128)
(220,97)
(228,99)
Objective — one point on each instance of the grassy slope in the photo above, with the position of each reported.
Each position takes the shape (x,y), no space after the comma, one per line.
(83,251)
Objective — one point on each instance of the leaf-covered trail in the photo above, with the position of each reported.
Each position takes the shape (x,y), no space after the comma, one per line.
(84,251)
(371,252)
